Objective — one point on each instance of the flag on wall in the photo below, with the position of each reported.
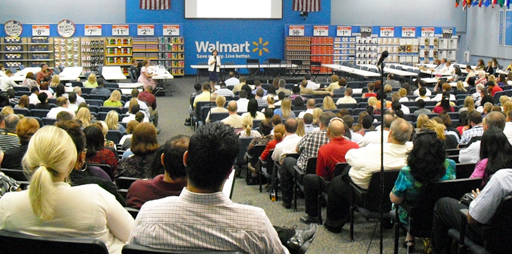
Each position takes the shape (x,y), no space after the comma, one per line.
(306,5)
(155,4)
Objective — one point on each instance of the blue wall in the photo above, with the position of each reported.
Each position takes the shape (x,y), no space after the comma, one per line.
(225,31)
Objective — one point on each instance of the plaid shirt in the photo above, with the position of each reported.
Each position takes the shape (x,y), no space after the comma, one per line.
(477,130)
(309,145)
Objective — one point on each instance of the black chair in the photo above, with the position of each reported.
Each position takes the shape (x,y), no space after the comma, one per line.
(252,161)
(315,68)
(218,116)
(49,121)
(496,236)
(253,66)
(266,166)
(123,182)
(197,119)
(338,170)
(368,201)
(18,243)
(240,160)
(22,111)
(295,68)
(114,135)
(138,249)
(276,175)
(16,174)
(464,170)
(94,102)
(131,73)
(107,109)
(39,112)
(98,97)
(106,168)
(420,216)
(310,169)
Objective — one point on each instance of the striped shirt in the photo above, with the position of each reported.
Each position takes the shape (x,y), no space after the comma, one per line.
(8,140)
(205,221)
(309,145)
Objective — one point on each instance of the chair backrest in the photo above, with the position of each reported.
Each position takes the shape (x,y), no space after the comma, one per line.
(114,135)
(218,116)
(22,111)
(123,182)
(256,152)
(138,249)
(105,167)
(253,61)
(339,168)
(372,200)
(17,243)
(131,73)
(311,166)
(244,143)
(107,109)
(94,102)
(49,121)
(39,112)
(464,170)
(16,174)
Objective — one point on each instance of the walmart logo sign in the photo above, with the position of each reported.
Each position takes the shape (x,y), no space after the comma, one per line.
(232,50)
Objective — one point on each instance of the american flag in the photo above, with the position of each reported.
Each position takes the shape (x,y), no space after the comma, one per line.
(306,5)
(155,4)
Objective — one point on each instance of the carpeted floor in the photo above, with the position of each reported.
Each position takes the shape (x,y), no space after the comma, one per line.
(172,113)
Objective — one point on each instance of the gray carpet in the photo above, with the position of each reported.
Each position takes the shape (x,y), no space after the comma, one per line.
(172,113)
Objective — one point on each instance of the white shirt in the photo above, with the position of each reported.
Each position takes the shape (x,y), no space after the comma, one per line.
(366,160)
(80,100)
(312,85)
(131,117)
(33,99)
(232,81)
(241,104)
(405,109)
(7,83)
(470,154)
(424,98)
(373,137)
(143,107)
(309,110)
(439,97)
(417,93)
(287,146)
(211,66)
(96,215)
(234,121)
(54,111)
(346,100)
(207,221)
(508,131)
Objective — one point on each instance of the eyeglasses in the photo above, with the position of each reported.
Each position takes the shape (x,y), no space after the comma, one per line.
(336,118)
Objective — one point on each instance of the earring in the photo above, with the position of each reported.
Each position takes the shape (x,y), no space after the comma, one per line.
(83,167)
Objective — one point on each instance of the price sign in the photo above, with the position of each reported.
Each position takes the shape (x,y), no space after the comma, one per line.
(66,28)
(13,28)
(320,30)
(344,31)
(296,30)
(93,30)
(447,32)
(145,30)
(171,30)
(40,30)
(408,32)
(120,30)
(427,32)
(387,32)
(366,31)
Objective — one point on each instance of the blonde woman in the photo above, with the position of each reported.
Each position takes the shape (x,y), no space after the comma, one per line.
(422,119)
(51,207)
(469,105)
(247,131)
(507,107)
(316,116)
(328,103)
(84,115)
(91,81)
(55,82)
(460,88)
(7,110)
(114,100)
(301,128)
(112,121)
(285,111)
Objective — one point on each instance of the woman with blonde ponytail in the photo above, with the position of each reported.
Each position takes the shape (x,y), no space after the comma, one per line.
(247,131)
(51,207)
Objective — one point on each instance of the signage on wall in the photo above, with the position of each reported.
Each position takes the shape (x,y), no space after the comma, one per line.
(171,30)
(387,32)
(66,28)
(427,32)
(120,30)
(366,31)
(13,28)
(296,30)
(238,50)
(145,30)
(320,30)
(92,30)
(408,32)
(344,31)
(447,32)
(40,30)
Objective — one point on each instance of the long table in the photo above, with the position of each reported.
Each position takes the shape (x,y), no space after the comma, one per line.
(22,74)
(70,73)
(350,70)
(112,73)
(388,70)
(244,66)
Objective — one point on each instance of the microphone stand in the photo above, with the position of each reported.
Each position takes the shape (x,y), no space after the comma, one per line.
(382,106)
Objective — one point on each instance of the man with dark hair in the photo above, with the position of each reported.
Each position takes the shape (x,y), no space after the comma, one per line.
(171,183)
(100,90)
(224,91)
(72,101)
(239,86)
(204,96)
(282,88)
(257,85)
(259,97)
(364,162)
(476,127)
(471,154)
(308,123)
(329,155)
(310,84)
(143,106)
(204,214)
(234,119)
(64,116)
(391,81)
(420,104)
(307,147)
(149,98)
(33,99)
(374,137)
(8,137)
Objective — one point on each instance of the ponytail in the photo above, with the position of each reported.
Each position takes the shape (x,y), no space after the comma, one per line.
(248,130)
(42,193)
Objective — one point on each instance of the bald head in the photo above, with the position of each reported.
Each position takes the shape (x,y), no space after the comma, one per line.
(232,107)
(336,129)
(311,103)
(400,131)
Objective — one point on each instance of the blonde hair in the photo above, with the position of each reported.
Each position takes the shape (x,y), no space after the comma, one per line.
(55,81)
(247,124)
(279,131)
(220,101)
(491,78)
(504,99)
(388,88)
(103,126)
(334,78)
(301,128)
(316,115)
(469,103)
(436,127)
(421,120)
(372,101)
(133,102)
(50,156)
(115,96)
(328,103)
(402,92)
(507,107)
(286,107)
(460,85)
(92,78)
(270,100)
(112,120)
(84,115)
(7,110)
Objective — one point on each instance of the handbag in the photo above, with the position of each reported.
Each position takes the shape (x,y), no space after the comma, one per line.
(467,198)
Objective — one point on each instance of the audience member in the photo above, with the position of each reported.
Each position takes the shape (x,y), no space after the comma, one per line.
(311,104)
(96,152)
(25,129)
(62,105)
(8,137)
(374,137)
(247,130)
(476,128)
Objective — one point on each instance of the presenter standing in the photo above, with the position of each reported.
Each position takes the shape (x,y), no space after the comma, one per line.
(214,68)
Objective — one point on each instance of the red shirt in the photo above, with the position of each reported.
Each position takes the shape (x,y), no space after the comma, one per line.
(145,190)
(367,95)
(495,89)
(149,98)
(439,109)
(332,153)
(104,156)
(270,145)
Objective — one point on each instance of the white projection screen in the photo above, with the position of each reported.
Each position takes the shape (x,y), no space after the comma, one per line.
(234,9)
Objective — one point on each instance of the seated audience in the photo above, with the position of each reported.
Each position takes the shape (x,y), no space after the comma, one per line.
(112,121)
(114,100)
(62,105)
(25,129)
(471,154)
(96,152)
(247,130)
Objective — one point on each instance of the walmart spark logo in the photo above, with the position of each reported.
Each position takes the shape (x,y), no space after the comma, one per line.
(260,47)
